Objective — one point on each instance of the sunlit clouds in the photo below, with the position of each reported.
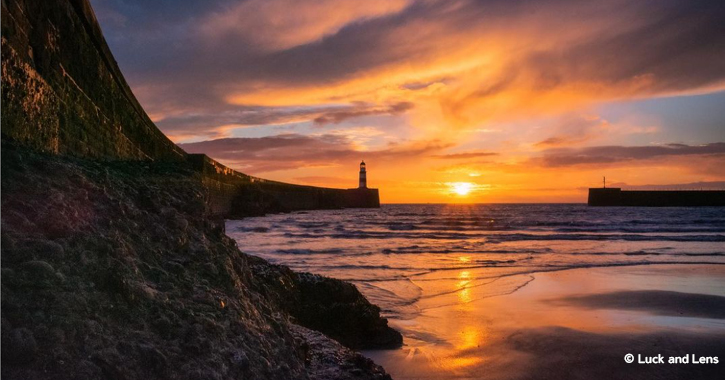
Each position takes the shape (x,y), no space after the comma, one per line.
(282,24)
(523,101)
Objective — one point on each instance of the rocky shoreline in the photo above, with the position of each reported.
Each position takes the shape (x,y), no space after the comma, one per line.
(114,270)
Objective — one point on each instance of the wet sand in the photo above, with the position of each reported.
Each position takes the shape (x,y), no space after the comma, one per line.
(573,324)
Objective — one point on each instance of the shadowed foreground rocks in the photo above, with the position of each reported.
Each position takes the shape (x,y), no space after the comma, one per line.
(114,271)
(332,306)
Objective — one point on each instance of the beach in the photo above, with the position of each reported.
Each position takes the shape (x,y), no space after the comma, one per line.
(378,190)
(521,291)
(571,324)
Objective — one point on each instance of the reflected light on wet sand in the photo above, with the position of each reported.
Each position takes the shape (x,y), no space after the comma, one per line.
(481,330)
(470,336)
(463,289)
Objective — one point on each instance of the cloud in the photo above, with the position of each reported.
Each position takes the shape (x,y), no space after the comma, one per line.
(212,124)
(282,24)
(500,59)
(218,121)
(337,117)
(294,151)
(465,155)
(575,129)
(618,154)
(559,86)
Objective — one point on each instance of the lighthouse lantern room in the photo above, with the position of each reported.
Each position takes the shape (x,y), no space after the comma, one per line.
(363,176)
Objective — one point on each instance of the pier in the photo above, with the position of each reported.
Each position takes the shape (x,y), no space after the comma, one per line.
(613,196)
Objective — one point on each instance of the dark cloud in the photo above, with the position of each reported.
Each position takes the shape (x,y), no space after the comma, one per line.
(553,141)
(680,42)
(613,154)
(292,151)
(208,123)
(337,117)
(211,123)
(626,49)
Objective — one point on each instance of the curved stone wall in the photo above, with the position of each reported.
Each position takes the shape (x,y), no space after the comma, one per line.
(63,93)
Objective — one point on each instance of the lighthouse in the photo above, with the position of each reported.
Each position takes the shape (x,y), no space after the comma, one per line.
(363,176)
(362,195)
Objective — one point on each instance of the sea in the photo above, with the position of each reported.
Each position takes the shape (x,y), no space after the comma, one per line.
(407,258)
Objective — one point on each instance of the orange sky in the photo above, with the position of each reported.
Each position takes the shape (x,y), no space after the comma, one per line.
(520,101)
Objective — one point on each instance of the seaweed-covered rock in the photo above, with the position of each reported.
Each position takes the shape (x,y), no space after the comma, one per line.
(334,307)
(114,270)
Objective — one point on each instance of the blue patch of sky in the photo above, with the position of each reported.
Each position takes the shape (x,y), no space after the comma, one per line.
(695,119)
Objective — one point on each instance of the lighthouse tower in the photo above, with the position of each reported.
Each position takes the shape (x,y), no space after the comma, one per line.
(363,176)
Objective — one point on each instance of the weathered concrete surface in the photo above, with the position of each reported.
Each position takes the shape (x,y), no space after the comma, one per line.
(62,92)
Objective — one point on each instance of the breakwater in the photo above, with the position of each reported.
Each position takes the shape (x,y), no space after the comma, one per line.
(231,193)
(655,198)
(63,93)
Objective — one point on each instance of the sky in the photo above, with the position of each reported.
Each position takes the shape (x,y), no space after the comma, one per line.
(445,100)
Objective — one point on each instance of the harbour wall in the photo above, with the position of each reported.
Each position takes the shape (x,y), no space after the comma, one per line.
(63,93)
(655,198)
(235,194)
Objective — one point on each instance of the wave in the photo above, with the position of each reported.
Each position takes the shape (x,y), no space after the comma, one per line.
(258,229)
(300,251)
(401,227)
(391,254)
(495,238)
(553,268)
(503,292)
(607,237)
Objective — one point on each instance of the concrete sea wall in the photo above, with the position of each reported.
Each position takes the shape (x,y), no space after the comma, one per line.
(655,198)
(232,193)
(63,93)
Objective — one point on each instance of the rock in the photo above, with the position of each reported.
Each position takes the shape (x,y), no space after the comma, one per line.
(331,306)
(240,359)
(44,249)
(329,360)
(19,347)
(7,275)
(40,273)
(164,326)
(153,358)
(142,291)
(38,268)
(87,370)
(140,306)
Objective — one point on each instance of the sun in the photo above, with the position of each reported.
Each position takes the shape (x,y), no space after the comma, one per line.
(462,188)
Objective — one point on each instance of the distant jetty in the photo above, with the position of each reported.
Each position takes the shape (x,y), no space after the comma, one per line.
(614,196)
